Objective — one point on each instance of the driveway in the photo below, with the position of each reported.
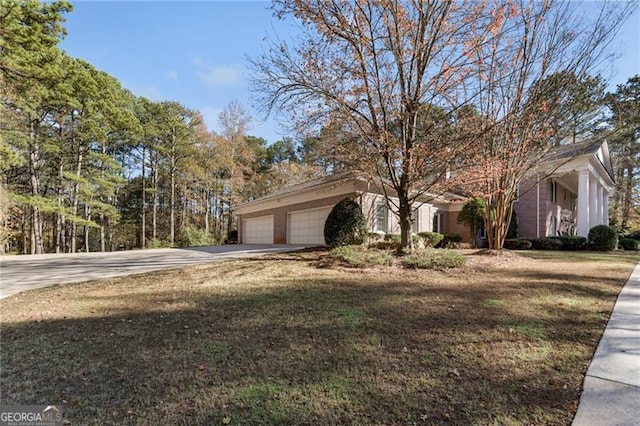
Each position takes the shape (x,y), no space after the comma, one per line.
(20,273)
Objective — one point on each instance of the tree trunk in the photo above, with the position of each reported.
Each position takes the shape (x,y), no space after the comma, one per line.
(207,206)
(103,242)
(75,200)
(59,244)
(143,218)
(154,213)
(628,198)
(404,217)
(87,212)
(172,197)
(36,217)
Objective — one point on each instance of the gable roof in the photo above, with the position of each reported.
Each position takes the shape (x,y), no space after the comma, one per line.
(580,152)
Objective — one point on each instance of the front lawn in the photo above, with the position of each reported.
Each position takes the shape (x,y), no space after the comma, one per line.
(292,339)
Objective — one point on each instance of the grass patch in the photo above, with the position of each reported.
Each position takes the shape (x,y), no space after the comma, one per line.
(434,259)
(361,257)
(530,329)
(282,340)
(493,303)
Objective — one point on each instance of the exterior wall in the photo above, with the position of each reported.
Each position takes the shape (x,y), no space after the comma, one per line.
(451,226)
(563,209)
(425,212)
(280,215)
(526,209)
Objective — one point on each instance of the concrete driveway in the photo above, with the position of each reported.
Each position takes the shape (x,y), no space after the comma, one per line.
(20,273)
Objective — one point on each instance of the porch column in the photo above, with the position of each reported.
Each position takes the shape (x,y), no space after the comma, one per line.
(600,199)
(605,208)
(593,203)
(583,204)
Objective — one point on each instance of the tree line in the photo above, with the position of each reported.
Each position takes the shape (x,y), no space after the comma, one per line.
(88,166)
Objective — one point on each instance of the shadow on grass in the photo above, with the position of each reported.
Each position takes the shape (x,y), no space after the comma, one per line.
(322,351)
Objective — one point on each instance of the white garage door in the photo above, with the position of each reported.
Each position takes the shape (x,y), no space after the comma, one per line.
(258,230)
(307,227)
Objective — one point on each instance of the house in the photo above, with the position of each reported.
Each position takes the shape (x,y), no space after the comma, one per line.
(567,195)
(296,215)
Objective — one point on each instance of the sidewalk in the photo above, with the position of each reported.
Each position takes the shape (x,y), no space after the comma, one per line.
(611,394)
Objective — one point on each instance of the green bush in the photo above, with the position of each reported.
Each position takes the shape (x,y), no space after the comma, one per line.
(572,242)
(603,237)
(430,239)
(517,244)
(634,235)
(345,225)
(393,242)
(361,257)
(393,238)
(434,259)
(449,240)
(158,243)
(546,244)
(193,237)
(629,244)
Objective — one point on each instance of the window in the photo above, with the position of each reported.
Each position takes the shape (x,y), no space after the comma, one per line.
(553,226)
(437,223)
(482,233)
(415,218)
(380,218)
(553,191)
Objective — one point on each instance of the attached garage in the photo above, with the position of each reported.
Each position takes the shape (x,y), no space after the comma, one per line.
(258,230)
(307,226)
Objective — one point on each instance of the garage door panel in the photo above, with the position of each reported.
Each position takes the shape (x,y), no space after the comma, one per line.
(258,230)
(307,227)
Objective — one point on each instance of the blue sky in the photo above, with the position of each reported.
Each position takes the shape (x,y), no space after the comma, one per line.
(195,52)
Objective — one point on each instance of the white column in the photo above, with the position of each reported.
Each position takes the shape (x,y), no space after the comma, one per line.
(605,207)
(593,203)
(583,204)
(600,199)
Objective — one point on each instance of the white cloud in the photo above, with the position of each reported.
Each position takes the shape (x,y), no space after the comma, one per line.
(197,61)
(222,75)
(172,75)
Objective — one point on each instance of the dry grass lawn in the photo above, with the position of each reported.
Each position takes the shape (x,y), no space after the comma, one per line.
(291,339)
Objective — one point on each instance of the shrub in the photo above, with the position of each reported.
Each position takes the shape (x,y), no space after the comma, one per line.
(634,235)
(546,244)
(345,225)
(360,257)
(603,237)
(393,241)
(517,244)
(629,244)
(472,215)
(449,241)
(572,242)
(393,238)
(158,243)
(430,239)
(434,259)
(193,237)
